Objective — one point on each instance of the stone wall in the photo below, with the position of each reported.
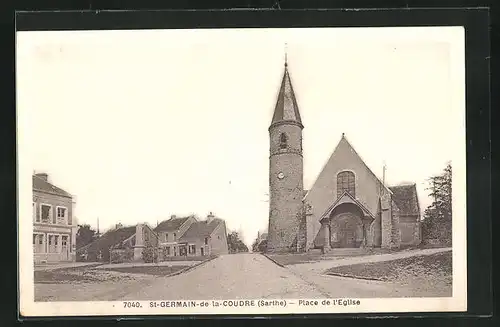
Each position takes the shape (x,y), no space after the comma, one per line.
(324,191)
(386,222)
(218,240)
(410,230)
(285,205)
(395,230)
(302,236)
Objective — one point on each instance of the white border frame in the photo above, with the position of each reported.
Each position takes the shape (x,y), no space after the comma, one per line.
(456,303)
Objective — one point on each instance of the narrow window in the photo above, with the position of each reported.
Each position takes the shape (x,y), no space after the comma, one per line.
(206,240)
(175,236)
(283,141)
(166,237)
(46,213)
(61,215)
(346,183)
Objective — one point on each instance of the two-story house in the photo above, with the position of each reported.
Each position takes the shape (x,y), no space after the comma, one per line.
(54,227)
(188,236)
(169,232)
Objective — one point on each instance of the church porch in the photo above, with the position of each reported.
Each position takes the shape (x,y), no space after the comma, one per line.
(345,225)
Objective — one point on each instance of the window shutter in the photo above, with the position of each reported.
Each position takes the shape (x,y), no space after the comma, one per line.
(69,215)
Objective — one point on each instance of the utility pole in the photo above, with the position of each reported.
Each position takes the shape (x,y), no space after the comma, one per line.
(383,174)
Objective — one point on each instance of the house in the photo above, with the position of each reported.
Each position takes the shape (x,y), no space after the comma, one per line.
(169,232)
(187,236)
(54,227)
(347,206)
(121,244)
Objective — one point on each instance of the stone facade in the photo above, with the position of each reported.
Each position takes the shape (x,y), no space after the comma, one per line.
(347,206)
(144,237)
(286,211)
(54,227)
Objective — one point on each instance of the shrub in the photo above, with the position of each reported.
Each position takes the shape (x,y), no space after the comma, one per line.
(116,257)
(149,254)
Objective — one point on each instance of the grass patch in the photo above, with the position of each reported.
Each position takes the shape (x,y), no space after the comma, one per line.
(149,270)
(435,268)
(89,275)
(75,275)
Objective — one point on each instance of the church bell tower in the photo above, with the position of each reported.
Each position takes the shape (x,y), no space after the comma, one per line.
(286,188)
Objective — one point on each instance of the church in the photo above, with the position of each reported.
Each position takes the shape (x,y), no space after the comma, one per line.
(348,206)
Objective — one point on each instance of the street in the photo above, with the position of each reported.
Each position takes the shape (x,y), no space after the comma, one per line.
(234,276)
(242,276)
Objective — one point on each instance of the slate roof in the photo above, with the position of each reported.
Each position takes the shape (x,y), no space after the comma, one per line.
(172,224)
(109,239)
(286,105)
(405,197)
(39,184)
(200,229)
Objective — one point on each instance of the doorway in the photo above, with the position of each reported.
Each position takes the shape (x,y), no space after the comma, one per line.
(346,225)
(64,248)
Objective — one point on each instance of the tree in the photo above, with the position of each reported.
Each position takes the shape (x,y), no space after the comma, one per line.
(85,235)
(235,244)
(437,219)
(255,246)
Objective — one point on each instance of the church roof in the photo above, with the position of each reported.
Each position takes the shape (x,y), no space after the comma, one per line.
(40,184)
(200,229)
(346,197)
(405,197)
(345,143)
(286,105)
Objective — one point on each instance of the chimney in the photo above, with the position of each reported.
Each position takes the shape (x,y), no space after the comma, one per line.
(173,216)
(118,226)
(43,176)
(210,217)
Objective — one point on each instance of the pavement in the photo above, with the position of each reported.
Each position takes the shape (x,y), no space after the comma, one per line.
(232,276)
(245,276)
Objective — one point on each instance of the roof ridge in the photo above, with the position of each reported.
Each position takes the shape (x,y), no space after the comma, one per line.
(364,163)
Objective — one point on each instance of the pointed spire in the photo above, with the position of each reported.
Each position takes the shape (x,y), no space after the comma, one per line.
(286,59)
(286,109)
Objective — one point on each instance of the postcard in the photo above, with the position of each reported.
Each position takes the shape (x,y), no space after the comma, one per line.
(241,171)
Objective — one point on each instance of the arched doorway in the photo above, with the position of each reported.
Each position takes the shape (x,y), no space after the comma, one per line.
(346,226)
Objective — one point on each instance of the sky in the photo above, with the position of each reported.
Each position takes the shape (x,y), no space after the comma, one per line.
(141,125)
